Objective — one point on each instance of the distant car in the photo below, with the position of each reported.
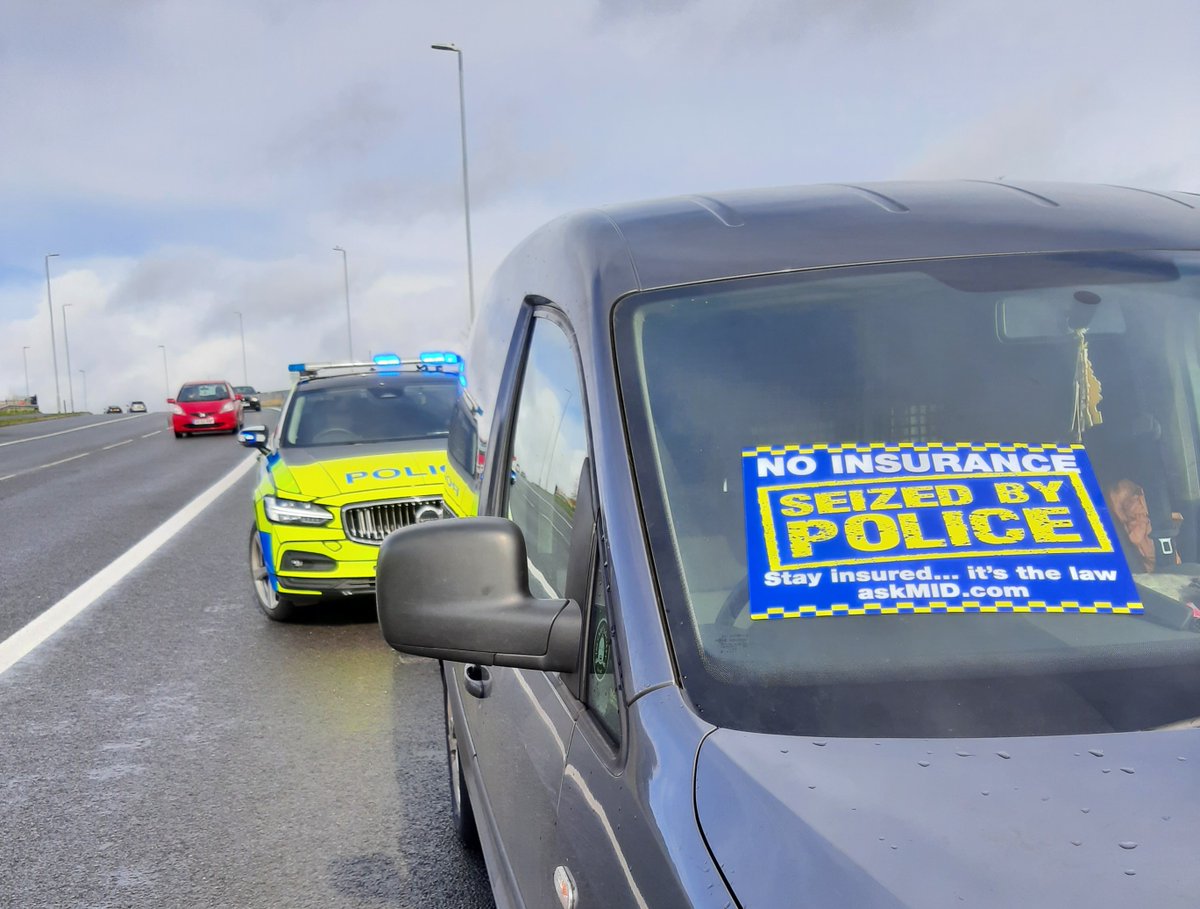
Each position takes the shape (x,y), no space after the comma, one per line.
(205,406)
(249,397)
(360,450)
(113,408)
(137,407)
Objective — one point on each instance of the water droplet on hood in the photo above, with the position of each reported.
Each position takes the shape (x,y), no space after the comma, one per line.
(1003,754)
(1106,770)
(1127,770)
(923,763)
(1085,810)
(1096,752)
(1128,844)
(963,753)
(821,744)
(1076,842)
(1130,872)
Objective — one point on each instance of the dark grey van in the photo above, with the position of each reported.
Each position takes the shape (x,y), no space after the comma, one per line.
(836,546)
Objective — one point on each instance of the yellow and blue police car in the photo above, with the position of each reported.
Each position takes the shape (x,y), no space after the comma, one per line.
(359,451)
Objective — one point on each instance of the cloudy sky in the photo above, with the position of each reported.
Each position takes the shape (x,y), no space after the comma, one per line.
(191,159)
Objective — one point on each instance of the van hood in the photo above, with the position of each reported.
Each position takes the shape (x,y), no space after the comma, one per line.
(1095,820)
(331,470)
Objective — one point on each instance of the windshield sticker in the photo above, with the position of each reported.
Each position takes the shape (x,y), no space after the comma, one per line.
(929,529)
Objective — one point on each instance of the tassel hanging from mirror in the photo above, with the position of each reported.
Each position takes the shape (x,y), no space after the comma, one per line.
(1087,390)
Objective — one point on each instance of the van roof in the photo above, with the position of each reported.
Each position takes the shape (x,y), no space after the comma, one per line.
(694,238)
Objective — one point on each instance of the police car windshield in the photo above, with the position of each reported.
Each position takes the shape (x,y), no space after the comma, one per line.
(911,499)
(377,409)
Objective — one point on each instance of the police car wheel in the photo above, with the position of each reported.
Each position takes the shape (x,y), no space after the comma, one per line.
(462,815)
(274,607)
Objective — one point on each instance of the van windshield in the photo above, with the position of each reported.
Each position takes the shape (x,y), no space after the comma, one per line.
(953,497)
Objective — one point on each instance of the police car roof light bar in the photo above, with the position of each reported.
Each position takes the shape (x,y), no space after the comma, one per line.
(384,363)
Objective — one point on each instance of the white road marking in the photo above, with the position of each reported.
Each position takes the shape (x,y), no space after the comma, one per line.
(38,631)
(21,473)
(63,432)
(116,445)
(62,461)
(149,434)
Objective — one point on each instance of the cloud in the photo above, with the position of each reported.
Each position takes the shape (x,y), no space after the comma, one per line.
(193,160)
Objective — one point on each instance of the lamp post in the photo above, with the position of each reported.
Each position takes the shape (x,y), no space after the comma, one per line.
(67,345)
(25,357)
(53,342)
(242,332)
(166,377)
(462,123)
(346,283)
(83,372)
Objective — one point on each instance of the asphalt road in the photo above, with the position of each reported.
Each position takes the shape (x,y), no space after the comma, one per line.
(170,746)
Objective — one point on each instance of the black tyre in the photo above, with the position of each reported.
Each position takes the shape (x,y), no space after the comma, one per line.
(462,814)
(274,607)
(179,435)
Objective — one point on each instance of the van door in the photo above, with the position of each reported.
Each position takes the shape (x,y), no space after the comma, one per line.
(521,721)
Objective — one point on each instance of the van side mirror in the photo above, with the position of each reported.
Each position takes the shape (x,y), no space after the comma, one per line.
(458,590)
(254,437)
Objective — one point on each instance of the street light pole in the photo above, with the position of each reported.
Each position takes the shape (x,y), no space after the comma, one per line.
(242,331)
(166,377)
(83,372)
(67,345)
(346,282)
(462,124)
(25,357)
(53,342)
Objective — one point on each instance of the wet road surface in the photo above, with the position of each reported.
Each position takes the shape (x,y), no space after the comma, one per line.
(172,747)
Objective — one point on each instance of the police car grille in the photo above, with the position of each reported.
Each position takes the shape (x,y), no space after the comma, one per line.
(371,523)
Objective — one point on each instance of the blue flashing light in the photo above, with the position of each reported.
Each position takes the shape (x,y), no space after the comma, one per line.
(295,367)
(385,359)
(441,358)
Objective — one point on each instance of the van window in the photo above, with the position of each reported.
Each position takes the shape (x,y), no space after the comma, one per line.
(548,450)
(889,568)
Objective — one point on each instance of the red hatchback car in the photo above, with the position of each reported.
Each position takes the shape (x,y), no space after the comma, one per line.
(209,406)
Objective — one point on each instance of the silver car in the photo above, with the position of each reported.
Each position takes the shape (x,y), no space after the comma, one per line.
(836,546)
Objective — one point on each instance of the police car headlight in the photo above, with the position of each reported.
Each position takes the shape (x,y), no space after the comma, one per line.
(290,511)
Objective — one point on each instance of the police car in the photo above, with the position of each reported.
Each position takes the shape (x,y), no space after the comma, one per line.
(359,451)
